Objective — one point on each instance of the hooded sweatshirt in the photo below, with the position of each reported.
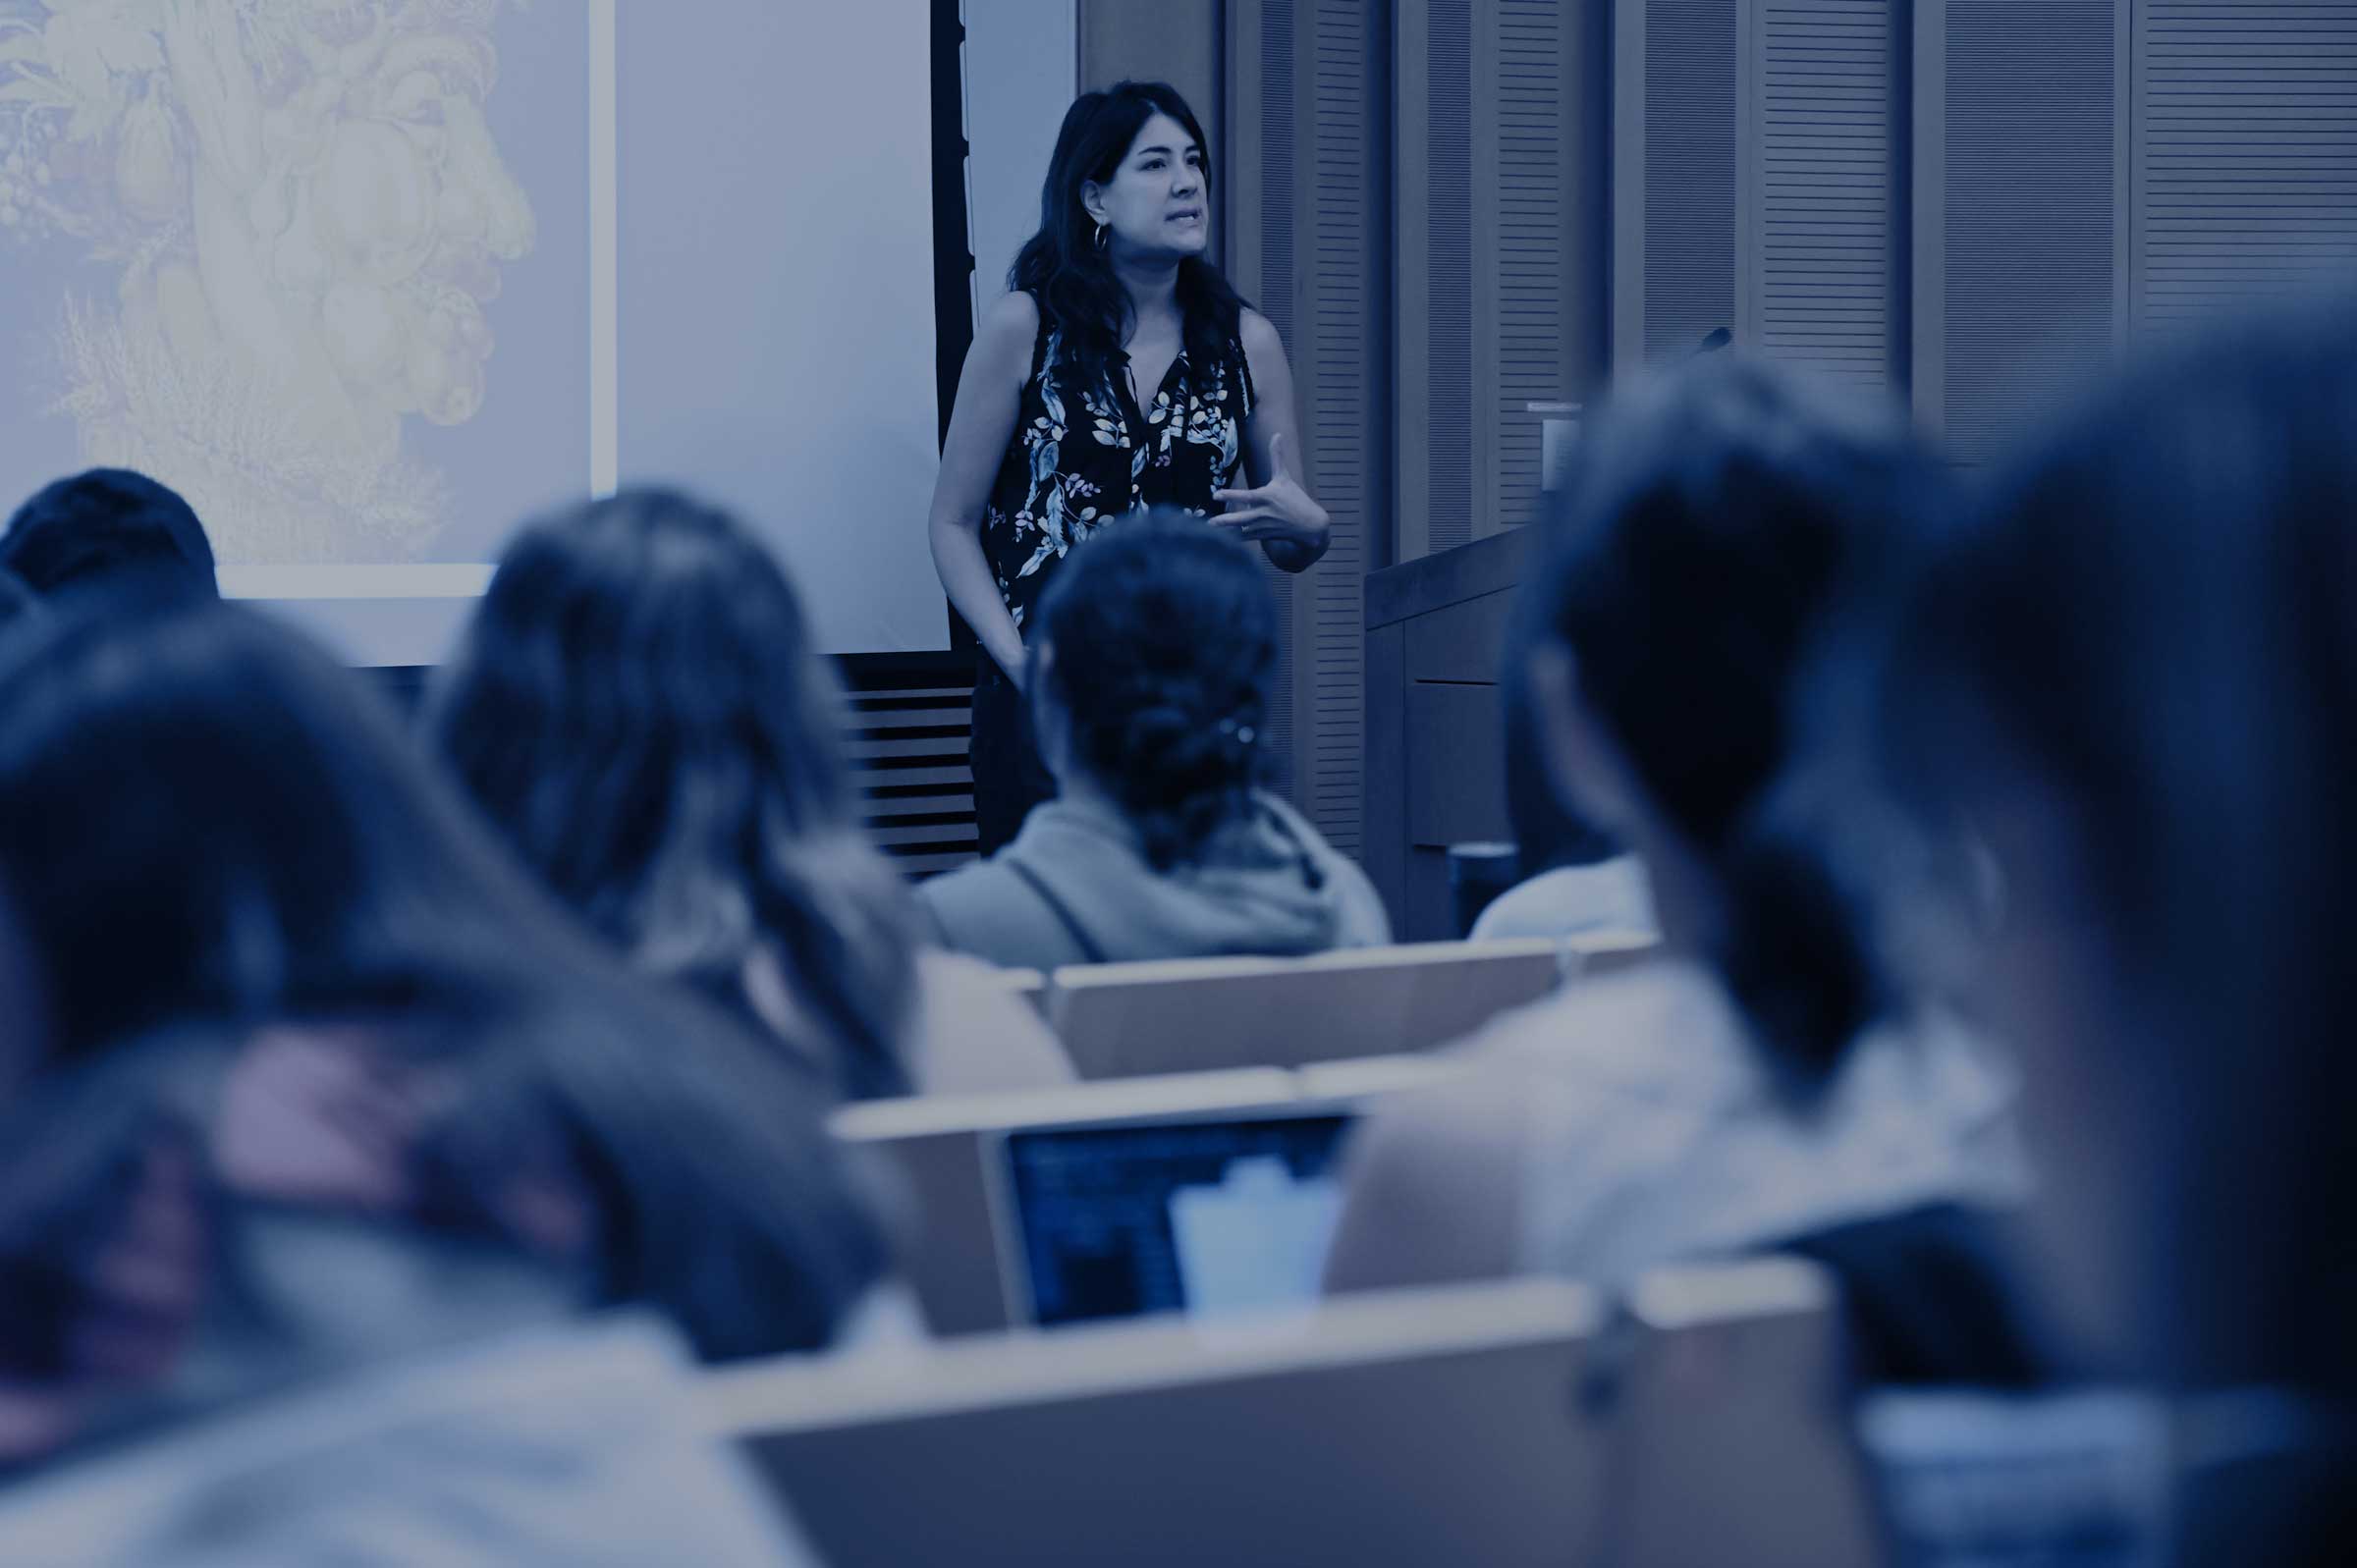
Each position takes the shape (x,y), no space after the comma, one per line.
(576,1445)
(1076,886)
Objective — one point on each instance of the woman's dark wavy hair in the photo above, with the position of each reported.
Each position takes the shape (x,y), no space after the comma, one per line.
(1690,569)
(208,826)
(1165,640)
(1061,265)
(639,708)
(2147,625)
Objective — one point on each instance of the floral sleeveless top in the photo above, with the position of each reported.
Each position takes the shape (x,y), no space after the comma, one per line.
(1082,458)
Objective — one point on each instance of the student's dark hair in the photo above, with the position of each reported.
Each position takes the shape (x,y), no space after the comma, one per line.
(1688,570)
(639,708)
(1165,640)
(207,825)
(2150,619)
(1064,269)
(1548,834)
(104,525)
(17,601)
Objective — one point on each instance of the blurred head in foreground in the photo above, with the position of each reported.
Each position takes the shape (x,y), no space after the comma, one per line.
(256,957)
(2132,676)
(1660,647)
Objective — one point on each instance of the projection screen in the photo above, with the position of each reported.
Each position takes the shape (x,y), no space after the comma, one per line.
(372,280)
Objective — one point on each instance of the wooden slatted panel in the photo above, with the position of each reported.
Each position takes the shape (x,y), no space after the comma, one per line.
(1347,376)
(1272,293)
(1824,198)
(2246,154)
(1448,435)
(908,725)
(2031,228)
(1534,236)
(1688,174)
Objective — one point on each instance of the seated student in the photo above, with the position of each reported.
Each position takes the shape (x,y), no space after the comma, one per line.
(1760,1084)
(108,524)
(638,708)
(298,1072)
(2135,671)
(1574,879)
(1149,686)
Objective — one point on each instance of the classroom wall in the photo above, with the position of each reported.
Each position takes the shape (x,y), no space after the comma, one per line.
(1022,73)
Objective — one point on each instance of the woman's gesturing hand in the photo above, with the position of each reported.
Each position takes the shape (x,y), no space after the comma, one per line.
(1280,510)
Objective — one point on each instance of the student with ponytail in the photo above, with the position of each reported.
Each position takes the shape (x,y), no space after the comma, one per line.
(1152,657)
(1762,1084)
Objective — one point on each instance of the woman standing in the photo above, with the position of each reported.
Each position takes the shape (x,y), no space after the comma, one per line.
(1120,372)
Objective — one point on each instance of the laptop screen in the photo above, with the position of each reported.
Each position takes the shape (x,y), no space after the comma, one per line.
(1200,1216)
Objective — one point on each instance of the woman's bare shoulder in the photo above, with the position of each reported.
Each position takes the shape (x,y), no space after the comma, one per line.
(1258,334)
(1014,315)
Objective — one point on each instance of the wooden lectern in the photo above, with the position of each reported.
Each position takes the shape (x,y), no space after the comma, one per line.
(1435,728)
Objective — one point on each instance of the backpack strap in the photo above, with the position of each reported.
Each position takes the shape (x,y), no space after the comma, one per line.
(1089,950)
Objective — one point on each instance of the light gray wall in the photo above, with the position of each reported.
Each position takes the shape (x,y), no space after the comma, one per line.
(1022,69)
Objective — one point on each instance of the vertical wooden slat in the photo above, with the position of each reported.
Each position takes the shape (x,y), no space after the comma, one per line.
(1276,288)
(1686,174)
(2019,235)
(1345,415)
(1535,267)
(1448,330)
(1820,164)
(1414,400)
(1309,100)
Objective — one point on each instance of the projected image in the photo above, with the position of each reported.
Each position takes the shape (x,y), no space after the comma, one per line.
(371,282)
(256,244)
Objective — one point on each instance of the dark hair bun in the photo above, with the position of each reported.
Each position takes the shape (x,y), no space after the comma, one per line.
(1166,641)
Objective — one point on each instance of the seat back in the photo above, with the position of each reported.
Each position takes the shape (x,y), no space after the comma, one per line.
(940,1148)
(1403,1430)
(1732,1435)
(1202,1015)
(1504,1424)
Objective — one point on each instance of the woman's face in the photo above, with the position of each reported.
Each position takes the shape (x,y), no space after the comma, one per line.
(1158,202)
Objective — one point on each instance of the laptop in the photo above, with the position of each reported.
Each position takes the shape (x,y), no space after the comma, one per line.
(1212,1216)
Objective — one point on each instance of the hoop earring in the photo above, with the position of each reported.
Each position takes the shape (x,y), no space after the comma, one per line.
(1100,237)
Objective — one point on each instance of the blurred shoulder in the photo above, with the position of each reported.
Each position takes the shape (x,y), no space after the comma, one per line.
(1637,1030)
(977,1031)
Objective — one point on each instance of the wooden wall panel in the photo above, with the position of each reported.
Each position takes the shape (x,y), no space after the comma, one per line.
(2020,191)
(2245,149)
(1675,177)
(1820,128)
(1308,103)
(1501,135)
(1529,242)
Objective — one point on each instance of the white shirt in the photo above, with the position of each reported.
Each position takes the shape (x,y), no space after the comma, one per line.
(1609,896)
(1632,1121)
